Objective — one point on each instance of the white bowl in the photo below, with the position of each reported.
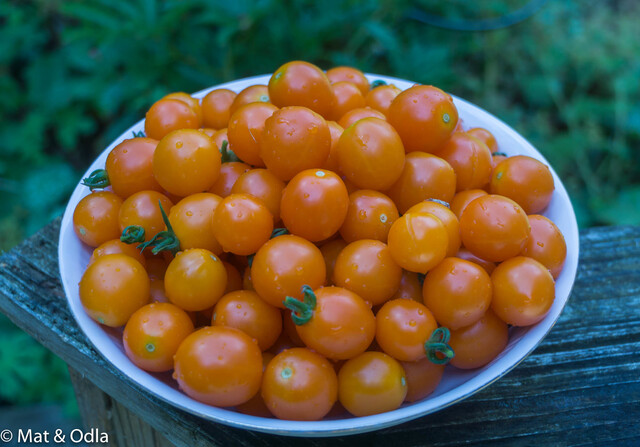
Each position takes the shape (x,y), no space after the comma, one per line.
(456,384)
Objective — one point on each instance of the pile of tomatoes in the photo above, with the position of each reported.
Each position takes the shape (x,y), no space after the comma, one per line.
(315,245)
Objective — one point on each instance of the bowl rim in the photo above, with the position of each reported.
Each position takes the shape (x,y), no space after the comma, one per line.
(485,376)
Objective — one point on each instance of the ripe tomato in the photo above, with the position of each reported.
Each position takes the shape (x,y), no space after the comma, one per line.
(153,333)
(242,224)
(256,406)
(216,108)
(195,279)
(464,198)
(347,96)
(167,115)
(299,83)
(191,221)
(355,115)
(495,161)
(244,310)
(294,139)
(366,268)
(403,327)
(422,377)
(494,228)
(263,185)
(193,103)
(371,383)
(447,217)
(219,366)
(330,251)
(380,98)
(349,74)
(219,137)
(369,216)
(253,93)
(334,322)
(370,154)
(410,287)
(245,130)
(546,244)
(143,209)
(129,166)
(465,254)
(477,344)
(470,158)
(424,116)
(299,385)
(95,218)
(314,204)
(114,246)
(186,162)
(486,137)
(523,291)
(331,164)
(457,292)
(113,288)
(424,176)
(525,180)
(418,241)
(283,265)
(230,172)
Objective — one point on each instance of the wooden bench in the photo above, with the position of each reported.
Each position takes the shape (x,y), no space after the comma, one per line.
(581,386)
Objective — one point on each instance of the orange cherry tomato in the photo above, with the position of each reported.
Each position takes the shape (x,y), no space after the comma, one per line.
(424,176)
(330,251)
(153,333)
(299,83)
(477,344)
(193,103)
(337,323)
(253,93)
(256,406)
(523,291)
(191,221)
(457,292)
(245,310)
(424,116)
(494,228)
(524,180)
(242,224)
(422,377)
(186,162)
(263,185)
(167,115)
(349,74)
(143,209)
(283,265)
(370,154)
(546,244)
(314,204)
(470,158)
(418,241)
(113,288)
(465,254)
(486,137)
(331,164)
(366,268)
(230,172)
(216,108)
(114,246)
(380,98)
(195,280)
(495,161)
(355,115)
(219,366)
(299,385)
(129,167)
(371,383)
(219,137)
(403,327)
(369,216)
(347,96)
(447,217)
(245,130)
(208,131)
(410,287)
(294,139)
(95,218)
(464,198)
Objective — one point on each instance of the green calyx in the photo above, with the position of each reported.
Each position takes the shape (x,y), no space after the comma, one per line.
(227,154)
(133,234)
(98,179)
(164,240)
(279,232)
(139,134)
(301,311)
(501,154)
(438,344)
(377,83)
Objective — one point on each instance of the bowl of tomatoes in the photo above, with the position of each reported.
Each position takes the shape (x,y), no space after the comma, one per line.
(316,253)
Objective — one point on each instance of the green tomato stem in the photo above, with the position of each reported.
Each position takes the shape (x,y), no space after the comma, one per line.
(98,179)
(301,311)
(438,344)
(227,154)
(164,240)
(133,234)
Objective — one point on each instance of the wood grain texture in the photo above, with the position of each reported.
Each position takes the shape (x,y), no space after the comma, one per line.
(581,386)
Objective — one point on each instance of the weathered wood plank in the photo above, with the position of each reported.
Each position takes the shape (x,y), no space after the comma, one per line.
(580,387)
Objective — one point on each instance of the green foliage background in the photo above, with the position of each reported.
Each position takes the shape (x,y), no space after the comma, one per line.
(74,74)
